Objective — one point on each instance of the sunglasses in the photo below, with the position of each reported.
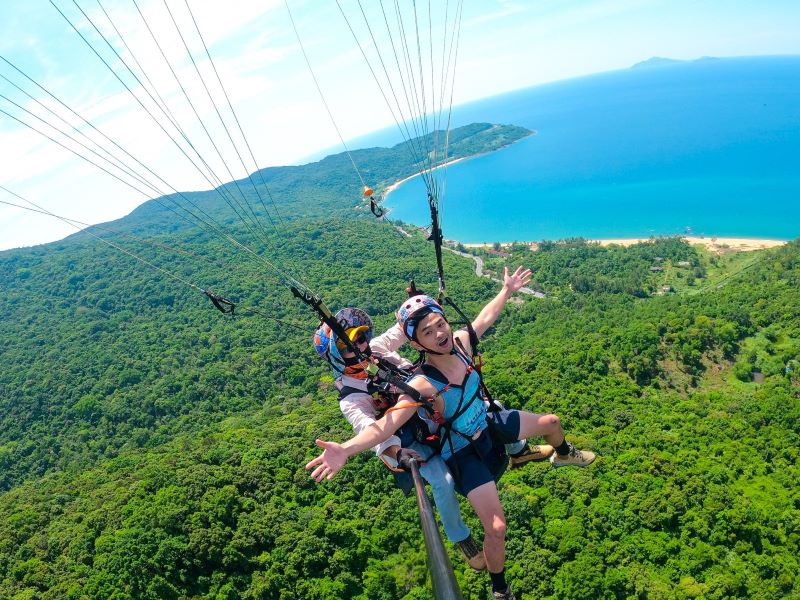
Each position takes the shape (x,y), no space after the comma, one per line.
(361,338)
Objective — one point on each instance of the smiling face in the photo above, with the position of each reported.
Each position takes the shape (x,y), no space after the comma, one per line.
(434,333)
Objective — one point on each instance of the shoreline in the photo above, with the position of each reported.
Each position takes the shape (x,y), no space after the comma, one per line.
(400,182)
(712,243)
(389,189)
(718,245)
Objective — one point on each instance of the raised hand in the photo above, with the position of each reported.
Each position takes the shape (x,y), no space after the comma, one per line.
(329,462)
(516,281)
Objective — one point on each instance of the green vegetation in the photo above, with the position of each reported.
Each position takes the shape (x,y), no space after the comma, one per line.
(329,186)
(152,448)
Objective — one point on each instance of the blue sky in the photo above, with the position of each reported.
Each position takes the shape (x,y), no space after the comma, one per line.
(504,45)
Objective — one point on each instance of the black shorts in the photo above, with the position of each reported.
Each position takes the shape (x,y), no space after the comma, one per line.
(477,464)
(504,426)
(484,459)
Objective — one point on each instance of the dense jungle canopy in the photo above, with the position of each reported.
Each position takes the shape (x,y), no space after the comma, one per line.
(152,448)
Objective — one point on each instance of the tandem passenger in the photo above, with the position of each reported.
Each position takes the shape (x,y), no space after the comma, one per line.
(449,378)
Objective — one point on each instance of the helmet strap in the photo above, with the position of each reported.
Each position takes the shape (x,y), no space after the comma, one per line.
(351,361)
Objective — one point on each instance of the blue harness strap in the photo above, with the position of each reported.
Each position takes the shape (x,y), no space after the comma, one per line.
(451,423)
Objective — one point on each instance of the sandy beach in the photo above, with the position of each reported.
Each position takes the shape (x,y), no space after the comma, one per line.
(396,184)
(719,245)
(453,161)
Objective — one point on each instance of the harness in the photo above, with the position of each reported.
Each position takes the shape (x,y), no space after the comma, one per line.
(415,429)
(447,425)
(447,428)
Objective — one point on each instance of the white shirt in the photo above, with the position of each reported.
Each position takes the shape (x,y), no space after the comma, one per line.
(358,407)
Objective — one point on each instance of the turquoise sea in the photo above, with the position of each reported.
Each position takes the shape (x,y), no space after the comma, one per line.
(709,147)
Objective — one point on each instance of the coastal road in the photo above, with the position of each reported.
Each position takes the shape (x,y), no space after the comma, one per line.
(478,265)
(479,271)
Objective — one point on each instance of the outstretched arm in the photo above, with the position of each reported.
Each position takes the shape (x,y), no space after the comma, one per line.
(334,456)
(490,312)
(358,409)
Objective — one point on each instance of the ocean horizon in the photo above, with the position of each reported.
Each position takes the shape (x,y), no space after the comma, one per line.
(703,148)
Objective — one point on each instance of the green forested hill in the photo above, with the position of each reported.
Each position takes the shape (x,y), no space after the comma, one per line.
(152,448)
(328,186)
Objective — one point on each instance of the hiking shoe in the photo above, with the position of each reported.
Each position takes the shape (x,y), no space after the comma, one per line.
(473,553)
(575,458)
(507,595)
(530,453)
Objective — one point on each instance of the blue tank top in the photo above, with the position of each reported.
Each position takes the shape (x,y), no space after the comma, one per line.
(467,400)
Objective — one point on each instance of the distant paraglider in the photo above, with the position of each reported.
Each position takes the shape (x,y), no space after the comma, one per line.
(373,204)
